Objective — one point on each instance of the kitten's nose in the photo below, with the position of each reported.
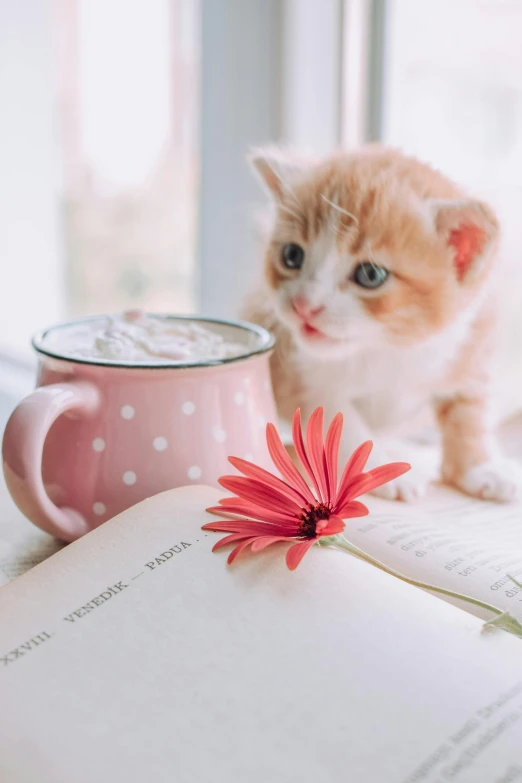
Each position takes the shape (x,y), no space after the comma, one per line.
(304,309)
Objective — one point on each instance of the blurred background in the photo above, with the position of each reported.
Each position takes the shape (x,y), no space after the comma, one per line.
(125,124)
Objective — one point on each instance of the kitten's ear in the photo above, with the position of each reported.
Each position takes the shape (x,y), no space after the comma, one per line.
(470,229)
(277,169)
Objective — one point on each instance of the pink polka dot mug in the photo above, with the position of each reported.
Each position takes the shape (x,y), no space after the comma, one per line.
(98,436)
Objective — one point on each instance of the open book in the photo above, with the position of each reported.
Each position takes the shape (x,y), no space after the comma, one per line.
(137,654)
(457,543)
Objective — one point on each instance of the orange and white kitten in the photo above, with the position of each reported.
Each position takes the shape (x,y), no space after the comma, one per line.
(376,286)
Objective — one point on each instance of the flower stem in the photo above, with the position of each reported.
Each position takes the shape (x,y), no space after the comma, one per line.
(514,580)
(340,542)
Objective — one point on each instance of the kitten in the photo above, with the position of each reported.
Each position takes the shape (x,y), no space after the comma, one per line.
(377,287)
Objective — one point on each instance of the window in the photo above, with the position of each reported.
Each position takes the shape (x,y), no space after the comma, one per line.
(99,160)
(452,87)
(128,114)
(123,155)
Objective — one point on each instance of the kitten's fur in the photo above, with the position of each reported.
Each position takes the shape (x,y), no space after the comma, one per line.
(379,355)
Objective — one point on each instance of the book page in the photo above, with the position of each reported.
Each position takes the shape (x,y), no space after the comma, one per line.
(451,541)
(137,654)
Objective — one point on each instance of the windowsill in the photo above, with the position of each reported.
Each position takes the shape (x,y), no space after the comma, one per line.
(17,377)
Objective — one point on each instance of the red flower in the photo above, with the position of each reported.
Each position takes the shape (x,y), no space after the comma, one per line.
(268,509)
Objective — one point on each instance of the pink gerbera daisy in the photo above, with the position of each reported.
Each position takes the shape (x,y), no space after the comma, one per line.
(266,509)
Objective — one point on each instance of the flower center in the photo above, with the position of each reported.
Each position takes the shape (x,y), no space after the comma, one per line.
(313,520)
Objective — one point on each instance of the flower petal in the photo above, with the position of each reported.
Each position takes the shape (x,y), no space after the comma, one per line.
(265,541)
(239,548)
(259,493)
(365,482)
(352,508)
(284,464)
(315,451)
(231,539)
(251,528)
(297,437)
(354,466)
(334,525)
(296,553)
(255,472)
(387,472)
(331,454)
(235,507)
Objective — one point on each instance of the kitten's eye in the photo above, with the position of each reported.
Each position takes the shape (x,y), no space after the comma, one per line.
(293,256)
(369,275)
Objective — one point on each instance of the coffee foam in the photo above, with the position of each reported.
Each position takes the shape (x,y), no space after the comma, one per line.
(141,339)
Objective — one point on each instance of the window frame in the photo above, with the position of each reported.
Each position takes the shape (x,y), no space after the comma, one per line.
(290,106)
(240,47)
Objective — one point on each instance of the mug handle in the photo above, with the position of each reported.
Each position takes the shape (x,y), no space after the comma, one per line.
(22,450)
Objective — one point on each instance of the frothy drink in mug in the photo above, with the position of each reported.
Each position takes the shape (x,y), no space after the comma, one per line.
(142,339)
(131,405)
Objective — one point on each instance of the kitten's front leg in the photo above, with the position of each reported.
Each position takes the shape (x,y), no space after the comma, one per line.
(471,459)
(408,488)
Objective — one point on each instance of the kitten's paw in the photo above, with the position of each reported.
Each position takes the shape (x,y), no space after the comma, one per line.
(410,487)
(499,480)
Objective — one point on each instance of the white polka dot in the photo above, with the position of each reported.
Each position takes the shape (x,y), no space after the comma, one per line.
(262,421)
(99,509)
(220,435)
(129,477)
(249,457)
(239,398)
(160,443)
(127,412)
(188,408)
(194,472)
(98,444)
(267,385)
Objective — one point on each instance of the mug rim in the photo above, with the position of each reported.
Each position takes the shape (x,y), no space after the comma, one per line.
(266,344)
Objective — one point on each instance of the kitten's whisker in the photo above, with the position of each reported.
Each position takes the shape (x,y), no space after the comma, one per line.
(290,211)
(292,195)
(289,191)
(370,256)
(333,226)
(340,209)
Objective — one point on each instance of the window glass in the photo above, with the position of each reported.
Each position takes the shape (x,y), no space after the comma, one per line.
(453,97)
(127,118)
